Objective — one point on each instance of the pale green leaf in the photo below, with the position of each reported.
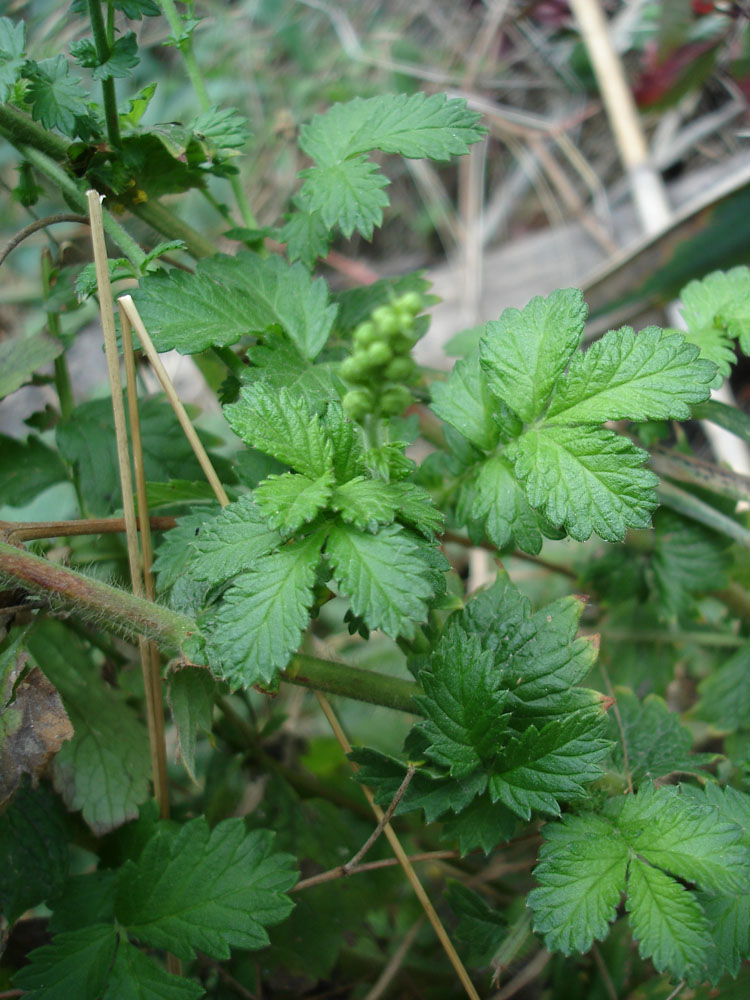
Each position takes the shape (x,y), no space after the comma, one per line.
(587,479)
(348,194)
(291,500)
(524,353)
(465,402)
(281,424)
(231,543)
(262,616)
(383,576)
(199,889)
(720,301)
(651,376)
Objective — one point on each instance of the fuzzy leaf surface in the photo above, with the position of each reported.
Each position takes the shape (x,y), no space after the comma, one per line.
(281,424)
(383,576)
(291,500)
(229,297)
(231,542)
(463,706)
(197,888)
(261,619)
(500,502)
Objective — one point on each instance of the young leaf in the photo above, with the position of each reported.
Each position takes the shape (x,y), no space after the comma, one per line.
(229,544)
(465,402)
(121,60)
(12,54)
(415,507)
(280,424)
(291,500)
(135,975)
(278,363)
(307,237)
(524,353)
(716,310)
(499,502)
(365,503)
(57,99)
(208,890)
(587,479)
(229,297)
(75,964)
(348,194)
(651,376)
(383,576)
(343,433)
(191,694)
(463,704)
(260,621)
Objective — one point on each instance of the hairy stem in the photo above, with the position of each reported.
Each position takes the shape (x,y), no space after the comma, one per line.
(19,128)
(103,52)
(165,222)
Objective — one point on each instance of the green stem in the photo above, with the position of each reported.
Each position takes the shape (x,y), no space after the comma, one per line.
(103,52)
(62,375)
(169,225)
(19,129)
(121,610)
(227,356)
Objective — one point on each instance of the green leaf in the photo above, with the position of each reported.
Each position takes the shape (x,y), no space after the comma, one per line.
(27,469)
(281,424)
(500,503)
(291,500)
(12,54)
(209,890)
(524,353)
(344,435)
(588,479)
(85,900)
(307,237)
(483,823)
(191,694)
(688,559)
(667,921)
(263,615)
(725,694)
(365,503)
(348,194)
(415,507)
(220,129)
(480,926)
(105,769)
(545,767)
(119,63)
(75,964)
(463,704)
(383,576)
(231,543)
(465,402)
(34,847)
(716,310)
(414,125)
(134,976)
(230,297)
(20,357)
(651,376)
(57,99)
(279,364)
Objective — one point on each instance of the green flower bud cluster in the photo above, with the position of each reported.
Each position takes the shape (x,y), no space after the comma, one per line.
(381,365)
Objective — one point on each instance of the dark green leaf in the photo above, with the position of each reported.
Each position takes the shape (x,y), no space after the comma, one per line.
(27,469)
(12,54)
(76,964)
(191,694)
(57,99)
(134,976)
(119,63)
(20,357)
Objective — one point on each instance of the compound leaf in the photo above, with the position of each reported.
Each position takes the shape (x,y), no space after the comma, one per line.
(202,889)
(262,616)
(291,500)
(383,575)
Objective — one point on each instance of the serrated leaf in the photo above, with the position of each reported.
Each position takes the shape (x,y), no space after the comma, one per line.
(174,549)
(27,469)
(483,823)
(119,63)
(279,364)
(75,964)
(261,619)
(545,767)
(348,194)
(281,424)
(191,694)
(382,575)
(588,479)
(134,976)
(719,304)
(667,921)
(105,769)
(201,889)
(229,297)
(725,694)
(582,875)
(688,559)
(220,129)
(651,376)
(57,99)
(413,125)
(415,507)
(463,704)
(291,500)
(365,503)
(307,237)
(12,54)
(499,502)
(231,543)
(344,435)
(525,352)
(465,402)
(480,926)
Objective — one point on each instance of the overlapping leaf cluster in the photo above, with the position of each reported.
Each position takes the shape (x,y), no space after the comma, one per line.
(528,450)
(506,729)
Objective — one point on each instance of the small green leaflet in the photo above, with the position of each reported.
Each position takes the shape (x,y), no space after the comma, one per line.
(221,130)
(463,707)
(208,890)
(499,502)
(645,841)
(278,363)
(717,310)
(119,63)
(280,424)
(366,503)
(383,575)
(261,618)
(465,402)
(291,500)
(12,54)
(57,99)
(348,195)
(307,237)
(191,694)
(229,297)
(135,976)
(76,964)
(228,544)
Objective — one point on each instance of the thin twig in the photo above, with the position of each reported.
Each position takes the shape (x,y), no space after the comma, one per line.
(385,819)
(14,532)
(678,989)
(403,858)
(451,536)
(167,385)
(36,225)
(395,962)
(604,971)
(340,871)
(229,979)
(527,975)
(620,726)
